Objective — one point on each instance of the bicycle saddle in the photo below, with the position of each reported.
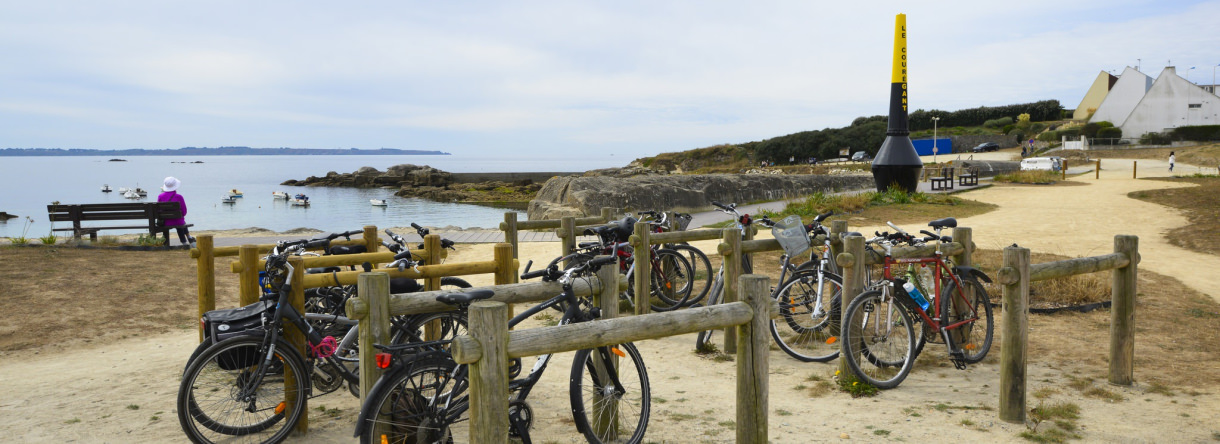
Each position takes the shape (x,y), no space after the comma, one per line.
(947,222)
(465,298)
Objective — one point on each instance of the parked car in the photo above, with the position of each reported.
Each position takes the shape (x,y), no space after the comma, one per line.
(860,156)
(1052,163)
(985,147)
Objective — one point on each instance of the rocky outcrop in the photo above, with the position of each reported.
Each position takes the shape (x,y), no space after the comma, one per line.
(582,196)
(405,175)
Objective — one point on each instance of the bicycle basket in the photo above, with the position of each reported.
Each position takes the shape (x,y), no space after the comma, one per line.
(791,234)
(679,221)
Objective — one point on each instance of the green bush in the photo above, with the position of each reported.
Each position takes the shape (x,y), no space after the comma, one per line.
(1198,133)
(998,123)
(1070,133)
(1110,133)
(1049,136)
(1155,139)
(1008,129)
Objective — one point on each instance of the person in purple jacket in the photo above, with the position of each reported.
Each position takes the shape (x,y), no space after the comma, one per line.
(170,194)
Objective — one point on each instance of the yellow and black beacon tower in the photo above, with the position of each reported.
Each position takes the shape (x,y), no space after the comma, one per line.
(897,164)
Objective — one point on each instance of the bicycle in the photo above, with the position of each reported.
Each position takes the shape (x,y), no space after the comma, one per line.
(701,267)
(254,387)
(670,279)
(879,324)
(422,396)
(808,327)
(741,222)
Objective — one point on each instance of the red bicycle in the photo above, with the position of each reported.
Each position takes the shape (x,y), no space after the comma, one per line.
(671,276)
(881,338)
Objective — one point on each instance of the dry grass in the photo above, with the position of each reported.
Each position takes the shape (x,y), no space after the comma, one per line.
(1202,207)
(1203,155)
(1030,177)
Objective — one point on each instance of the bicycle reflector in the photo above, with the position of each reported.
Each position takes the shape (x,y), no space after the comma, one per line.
(832,339)
(279,408)
(383,360)
(618,352)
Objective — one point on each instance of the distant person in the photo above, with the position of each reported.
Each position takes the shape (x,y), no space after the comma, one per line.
(170,194)
(791,160)
(1171,161)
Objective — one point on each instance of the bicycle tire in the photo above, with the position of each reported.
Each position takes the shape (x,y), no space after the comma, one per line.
(805,331)
(590,408)
(205,395)
(703,338)
(973,345)
(889,351)
(449,325)
(407,409)
(701,271)
(669,280)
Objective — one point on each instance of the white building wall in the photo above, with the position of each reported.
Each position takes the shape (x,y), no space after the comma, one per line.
(1167,106)
(1122,99)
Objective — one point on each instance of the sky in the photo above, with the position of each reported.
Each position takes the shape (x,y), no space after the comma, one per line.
(548,78)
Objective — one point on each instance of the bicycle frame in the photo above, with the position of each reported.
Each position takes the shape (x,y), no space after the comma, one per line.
(939,266)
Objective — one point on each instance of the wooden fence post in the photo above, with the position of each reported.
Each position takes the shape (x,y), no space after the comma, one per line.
(752,366)
(965,236)
(506,270)
(489,375)
(607,299)
(607,214)
(567,236)
(509,227)
(296,338)
(837,228)
(642,254)
(432,250)
(1063,170)
(1014,333)
(1097,171)
(732,272)
(374,290)
(853,265)
(247,285)
(372,242)
(1122,312)
(205,270)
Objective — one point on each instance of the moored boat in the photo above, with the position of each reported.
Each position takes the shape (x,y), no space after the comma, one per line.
(106,188)
(228,199)
(300,200)
(235,193)
(279,195)
(378,202)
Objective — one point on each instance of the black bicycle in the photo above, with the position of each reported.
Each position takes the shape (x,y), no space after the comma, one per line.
(422,397)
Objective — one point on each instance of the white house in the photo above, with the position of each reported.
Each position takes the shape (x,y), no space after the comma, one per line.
(1122,98)
(1171,102)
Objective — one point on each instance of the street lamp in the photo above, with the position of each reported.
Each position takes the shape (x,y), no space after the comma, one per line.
(934,150)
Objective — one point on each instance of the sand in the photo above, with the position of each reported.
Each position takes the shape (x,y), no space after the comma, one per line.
(124,391)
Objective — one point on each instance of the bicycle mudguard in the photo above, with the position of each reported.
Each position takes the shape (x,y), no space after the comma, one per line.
(971,272)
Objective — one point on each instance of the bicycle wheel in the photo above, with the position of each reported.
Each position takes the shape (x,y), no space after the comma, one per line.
(453,283)
(610,409)
(973,338)
(700,269)
(878,329)
(413,406)
(704,340)
(208,407)
(670,280)
(810,312)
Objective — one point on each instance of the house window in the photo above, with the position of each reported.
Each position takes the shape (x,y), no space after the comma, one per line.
(1195,105)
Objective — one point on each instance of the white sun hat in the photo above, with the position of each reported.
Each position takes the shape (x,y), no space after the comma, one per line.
(171,184)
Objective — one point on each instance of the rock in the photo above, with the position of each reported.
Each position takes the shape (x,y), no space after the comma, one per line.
(586,195)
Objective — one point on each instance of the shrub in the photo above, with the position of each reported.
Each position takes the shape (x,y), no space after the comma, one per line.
(998,123)
(1049,136)
(1008,128)
(1200,133)
(1070,133)
(1110,133)
(1155,139)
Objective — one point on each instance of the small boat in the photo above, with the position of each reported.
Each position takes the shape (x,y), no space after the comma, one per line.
(141,192)
(234,193)
(377,202)
(279,195)
(132,194)
(106,188)
(300,200)
(228,199)
(122,190)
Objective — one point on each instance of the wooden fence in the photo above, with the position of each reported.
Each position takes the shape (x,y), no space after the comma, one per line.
(1015,277)
(511,225)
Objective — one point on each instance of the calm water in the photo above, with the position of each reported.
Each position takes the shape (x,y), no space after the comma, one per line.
(29,184)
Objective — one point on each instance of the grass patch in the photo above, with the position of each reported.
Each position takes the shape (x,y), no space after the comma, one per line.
(1201,205)
(881,432)
(72,421)
(1059,420)
(876,208)
(856,388)
(1104,394)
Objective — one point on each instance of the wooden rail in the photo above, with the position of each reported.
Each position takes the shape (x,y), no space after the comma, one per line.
(490,346)
(511,225)
(1015,277)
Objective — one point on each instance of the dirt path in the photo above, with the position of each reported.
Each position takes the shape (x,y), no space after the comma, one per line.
(124,391)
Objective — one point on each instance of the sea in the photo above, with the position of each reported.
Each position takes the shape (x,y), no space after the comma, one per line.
(29,184)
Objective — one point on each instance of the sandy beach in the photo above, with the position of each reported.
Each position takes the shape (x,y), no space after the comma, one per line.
(124,391)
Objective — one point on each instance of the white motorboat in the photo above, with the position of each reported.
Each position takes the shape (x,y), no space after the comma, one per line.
(300,200)
(228,199)
(106,188)
(235,193)
(132,194)
(140,191)
(122,190)
(279,195)
(377,202)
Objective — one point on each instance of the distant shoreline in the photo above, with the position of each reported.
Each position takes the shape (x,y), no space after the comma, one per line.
(220,151)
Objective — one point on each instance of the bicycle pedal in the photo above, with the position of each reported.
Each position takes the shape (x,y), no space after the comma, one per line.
(958,358)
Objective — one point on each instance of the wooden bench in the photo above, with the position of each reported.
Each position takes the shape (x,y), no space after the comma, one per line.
(970,177)
(944,182)
(154,215)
